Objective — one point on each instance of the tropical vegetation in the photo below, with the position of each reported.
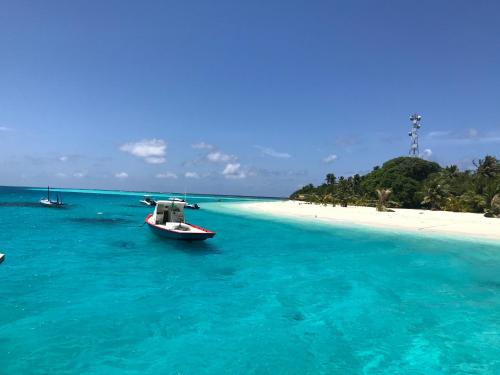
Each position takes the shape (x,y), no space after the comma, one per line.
(414,183)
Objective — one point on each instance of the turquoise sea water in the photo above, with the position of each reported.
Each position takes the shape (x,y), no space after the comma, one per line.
(89,290)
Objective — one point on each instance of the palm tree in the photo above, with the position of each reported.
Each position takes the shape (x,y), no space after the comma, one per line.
(495,205)
(383,194)
(330,179)
(489,167)
(356,184)
(435,195)
(494,210)
(328,198)
(472,202)
(343,193)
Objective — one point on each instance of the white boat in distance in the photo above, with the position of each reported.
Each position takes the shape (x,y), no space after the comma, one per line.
(167,221)
(175,199)
(46,202)
(188,205)
(148,201)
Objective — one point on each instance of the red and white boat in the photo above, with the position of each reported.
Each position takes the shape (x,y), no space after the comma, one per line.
(167,221)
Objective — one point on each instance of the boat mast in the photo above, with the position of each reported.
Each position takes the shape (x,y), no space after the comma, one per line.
(48,194)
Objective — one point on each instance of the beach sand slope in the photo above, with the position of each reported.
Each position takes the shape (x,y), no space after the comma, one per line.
(463,224)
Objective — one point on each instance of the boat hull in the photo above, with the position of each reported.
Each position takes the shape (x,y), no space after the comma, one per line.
(151,204)
(47,203)
(181,236)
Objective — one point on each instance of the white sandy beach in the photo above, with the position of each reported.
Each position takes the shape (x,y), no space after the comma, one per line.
(464,224)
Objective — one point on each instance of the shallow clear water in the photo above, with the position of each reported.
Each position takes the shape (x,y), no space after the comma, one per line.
(90,293)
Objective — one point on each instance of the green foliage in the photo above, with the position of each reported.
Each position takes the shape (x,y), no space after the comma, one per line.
(404,176)
(487,168)
(344,192)
(436,193)
(494,210)
(452,204)
(472,202)
(414,183)
(330,179)
(304,191)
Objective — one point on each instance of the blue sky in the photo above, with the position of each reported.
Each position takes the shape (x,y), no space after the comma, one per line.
(255,97)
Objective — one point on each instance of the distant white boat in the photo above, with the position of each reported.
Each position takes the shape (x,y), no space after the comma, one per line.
(2,257)
(148,201)
(175,199)
(191,206)
(46,202)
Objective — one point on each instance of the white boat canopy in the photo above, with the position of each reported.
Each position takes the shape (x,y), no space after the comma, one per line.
(169,212)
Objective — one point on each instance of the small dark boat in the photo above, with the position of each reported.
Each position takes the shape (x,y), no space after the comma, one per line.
(167,221)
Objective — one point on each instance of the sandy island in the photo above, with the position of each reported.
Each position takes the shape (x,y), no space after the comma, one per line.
(465,224)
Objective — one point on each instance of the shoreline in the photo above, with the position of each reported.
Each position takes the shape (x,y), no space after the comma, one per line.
(470,226)
(140,192)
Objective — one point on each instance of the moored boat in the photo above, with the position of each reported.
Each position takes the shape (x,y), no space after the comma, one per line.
(148,201)
(167,221)
(2,257)
(47,202)
(175,199)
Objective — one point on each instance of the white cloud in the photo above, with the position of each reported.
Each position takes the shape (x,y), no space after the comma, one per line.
(4,129)
(203,146)
(166,175)
(273,153)
(468,136)
(191,175)
(63,158)
(489,139)
(330,158)
(233,170)
(465,164)
(61,175)
(426,154)
(121,175)
(79,174)
(284,173)
(211,154)
(438,134)
(151,150)
(472,133)
(220,157)
(155,160)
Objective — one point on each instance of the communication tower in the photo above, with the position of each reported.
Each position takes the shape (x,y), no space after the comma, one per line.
(415,125)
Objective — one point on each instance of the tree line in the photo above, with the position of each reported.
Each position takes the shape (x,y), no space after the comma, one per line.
(409,182)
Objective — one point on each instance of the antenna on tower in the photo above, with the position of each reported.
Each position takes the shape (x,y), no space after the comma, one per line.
(415,125)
